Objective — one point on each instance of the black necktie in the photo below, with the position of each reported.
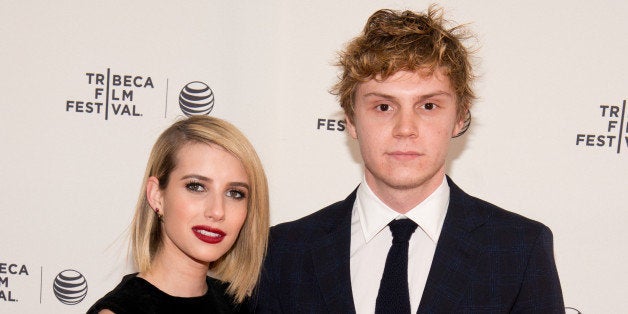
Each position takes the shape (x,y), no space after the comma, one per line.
(393,295)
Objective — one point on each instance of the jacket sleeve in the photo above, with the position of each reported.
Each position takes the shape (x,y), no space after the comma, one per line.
(540,291)
(265,296)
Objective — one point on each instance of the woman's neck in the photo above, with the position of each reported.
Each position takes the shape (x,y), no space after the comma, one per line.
(178,276)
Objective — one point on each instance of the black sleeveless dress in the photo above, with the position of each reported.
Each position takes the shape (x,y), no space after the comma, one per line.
(136,295)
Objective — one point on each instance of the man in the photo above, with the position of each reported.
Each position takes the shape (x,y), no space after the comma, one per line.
(406,92)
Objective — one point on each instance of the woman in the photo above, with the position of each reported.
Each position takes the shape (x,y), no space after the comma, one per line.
(203,208)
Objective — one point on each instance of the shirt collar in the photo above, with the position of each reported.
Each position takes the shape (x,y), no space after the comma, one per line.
(375,215)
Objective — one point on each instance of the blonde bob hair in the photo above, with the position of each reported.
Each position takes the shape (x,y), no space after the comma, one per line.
(240,266)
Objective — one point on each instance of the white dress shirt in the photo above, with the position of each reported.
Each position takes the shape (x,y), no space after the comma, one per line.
(371,239)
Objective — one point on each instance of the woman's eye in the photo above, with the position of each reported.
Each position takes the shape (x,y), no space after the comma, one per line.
(195,187)
(236,194)
(429,106)
(383,107)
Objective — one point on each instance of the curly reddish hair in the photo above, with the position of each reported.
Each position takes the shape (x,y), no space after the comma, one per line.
(394,41)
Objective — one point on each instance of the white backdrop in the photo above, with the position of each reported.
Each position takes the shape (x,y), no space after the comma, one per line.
(547,139)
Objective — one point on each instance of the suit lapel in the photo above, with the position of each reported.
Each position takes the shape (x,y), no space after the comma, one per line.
(330,257)
(456,255)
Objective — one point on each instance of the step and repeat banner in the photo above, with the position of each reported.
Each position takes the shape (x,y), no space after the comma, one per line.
(87,86)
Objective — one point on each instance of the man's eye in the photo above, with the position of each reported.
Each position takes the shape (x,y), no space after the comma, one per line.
(236,194)
(195,187)
(429,106)
(383,107)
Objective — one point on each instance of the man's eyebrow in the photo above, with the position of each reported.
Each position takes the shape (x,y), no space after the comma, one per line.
(377,94)
(421,98)
(436,94)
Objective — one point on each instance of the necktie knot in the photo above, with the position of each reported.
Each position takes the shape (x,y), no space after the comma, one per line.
(402,229)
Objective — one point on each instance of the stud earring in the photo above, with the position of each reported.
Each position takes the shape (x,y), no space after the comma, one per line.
(160,217)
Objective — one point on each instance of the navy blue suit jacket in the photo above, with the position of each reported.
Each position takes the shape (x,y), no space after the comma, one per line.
(487,260)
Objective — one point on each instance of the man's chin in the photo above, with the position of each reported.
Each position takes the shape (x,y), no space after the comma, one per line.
(412,182)
(403,186)
(404,183)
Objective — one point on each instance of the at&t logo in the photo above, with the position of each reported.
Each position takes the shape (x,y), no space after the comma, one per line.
(196,98)
(70,287)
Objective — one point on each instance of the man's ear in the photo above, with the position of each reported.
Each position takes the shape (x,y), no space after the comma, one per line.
(457,128)
(154,194)
(462,125)
(351,127)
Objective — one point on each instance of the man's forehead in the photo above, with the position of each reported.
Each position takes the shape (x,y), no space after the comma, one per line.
(441,73)
(421,82)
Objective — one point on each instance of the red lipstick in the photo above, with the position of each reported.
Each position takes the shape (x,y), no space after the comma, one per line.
(208,234)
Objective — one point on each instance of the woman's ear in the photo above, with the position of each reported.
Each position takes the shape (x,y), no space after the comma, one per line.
(154,194)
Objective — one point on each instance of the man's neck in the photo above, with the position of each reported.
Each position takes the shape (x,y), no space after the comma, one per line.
(403,200)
